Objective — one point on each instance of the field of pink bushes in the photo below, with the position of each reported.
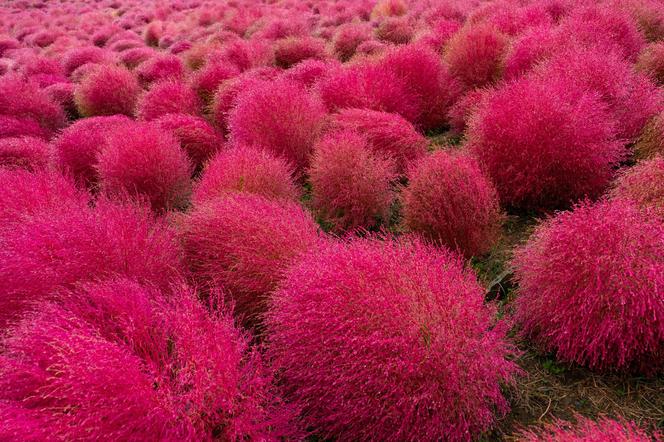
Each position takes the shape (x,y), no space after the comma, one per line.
(332,220)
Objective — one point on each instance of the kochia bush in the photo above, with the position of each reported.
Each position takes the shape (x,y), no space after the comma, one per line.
(28,153)
(587,430)
(108,90)
(417,342)
(643,184)
(591,285)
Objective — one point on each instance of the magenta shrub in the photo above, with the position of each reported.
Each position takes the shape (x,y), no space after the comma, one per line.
(587,430)
(449,200)
(590,287)
(141,159)
(651,62)
(544,144)
(21,127)
(77,57)
(108,90)
(352,186)
(77,146)
(159,68)
(208,78)
(293,50)
(416,340)
(243,243)
(651,142)
(55,249)
(387,134)
(347,38)
(281,117)
(168,97)
(131,360)
(28,153)
(195,135)
(246,169)
(643,184)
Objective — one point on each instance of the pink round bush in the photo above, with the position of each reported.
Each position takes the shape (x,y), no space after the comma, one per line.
(130,360)
(632,98)
(24,153)
(450,201)
(132,58)
(388,134)
(347,38)
(27,193)
(643,184)
(395,30)
(651,62)
(108,90)
(209,77)
(281,117)
(160,67)
(168,97)
(587,430)
(20,127)
(427,79)
(460,112)
(651,142)
(591,287)
(55,249)
(474,54)
(77,57)
(143,160)
(63,94)
(351,184)
(544,143)
(77,146)
(292,50)
(21,100)
(246,169)
(530,48)
(195,135)
(416,340)
(310,72)
(368,86)
(243,243)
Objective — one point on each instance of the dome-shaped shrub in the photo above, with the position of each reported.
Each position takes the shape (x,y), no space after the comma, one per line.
(651,142)
(142,159)
(168,97)
(32,193)
(591,287)
(246,169)
(532,47)
(292,50)
(108,90)
(55,249)
(450,201)
(544,143)
(77,146)
(21,127)
(651,62)
(395,30)
(643,184)
(281,117)
(474,54)
(368,86)
(77,57)
(351,183)
(587,430)
(130,360)
(427,79)
(25,153)
(195,135)
(207,79)
(347,38)
(243,243)
(388,134)
(310,72)
(423,357)
(159,68)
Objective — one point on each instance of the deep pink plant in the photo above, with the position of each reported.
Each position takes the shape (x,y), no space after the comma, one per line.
(347,38)
(530,48)
(416,340)
(292,50)
(108,90)
(77,57)
(310,72)
(195,135)
(651,62)
(544,143)
(133,57)
(55,249)
(427,79)
(643,184)
(587,430)
(590,287)
(461,111)
(19,127)
(279,116)
(141,159)
(449,200)
(352,185)
(246,169)
(651,142)
(168,97)
(388,134)
(395,30)
(207,79)
(243,243)
(28,153)
(160,67)
(131,360)
(474,54)
(77,146)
